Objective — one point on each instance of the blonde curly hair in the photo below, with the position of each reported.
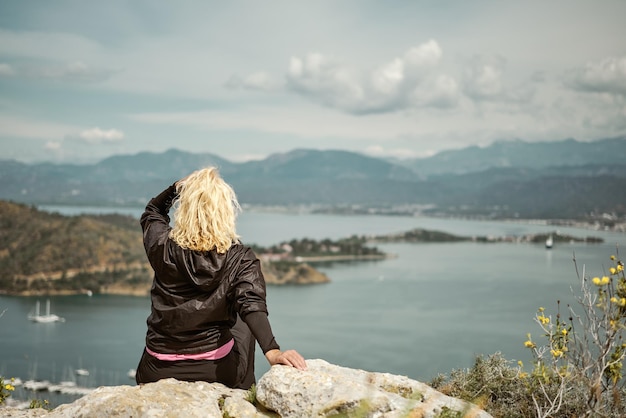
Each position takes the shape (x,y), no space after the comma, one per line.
(206,210)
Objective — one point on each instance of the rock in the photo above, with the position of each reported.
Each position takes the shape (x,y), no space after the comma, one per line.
(294,273)
(328,390)
(166,398)
(321,391)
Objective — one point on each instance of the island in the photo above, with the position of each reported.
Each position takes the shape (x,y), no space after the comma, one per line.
(309,250)
(424,235)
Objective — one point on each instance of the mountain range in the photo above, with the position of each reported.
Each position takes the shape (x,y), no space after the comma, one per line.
(561,179)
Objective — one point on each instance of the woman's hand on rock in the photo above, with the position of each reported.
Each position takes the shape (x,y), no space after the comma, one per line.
(288,358)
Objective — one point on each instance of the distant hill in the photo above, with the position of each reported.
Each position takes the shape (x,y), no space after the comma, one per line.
(520,154)
(563,179)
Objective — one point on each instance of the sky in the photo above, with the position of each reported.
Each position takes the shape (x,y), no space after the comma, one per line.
(84,80)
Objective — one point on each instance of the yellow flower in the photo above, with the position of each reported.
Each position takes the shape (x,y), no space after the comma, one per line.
(541,309)
(519,363)
(564,331)
(601,281)
(9,387)
(543,319)
(556,353)
(529,344)
(620,268)
(614,299)
(612,270)
(612,257)
(622,302)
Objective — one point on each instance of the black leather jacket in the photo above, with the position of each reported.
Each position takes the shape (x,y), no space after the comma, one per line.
(196,295)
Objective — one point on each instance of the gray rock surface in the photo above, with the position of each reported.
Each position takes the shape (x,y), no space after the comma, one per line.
(327,390)
(323,390)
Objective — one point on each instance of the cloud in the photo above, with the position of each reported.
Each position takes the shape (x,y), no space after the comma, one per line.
(97,135)
(6,70)
(52,55)
(400,153)
(424,56)
(76,71)
(404,82)
(605,76)
(483,78)
(484,82)
(256,81)
(443,92)
(52,145)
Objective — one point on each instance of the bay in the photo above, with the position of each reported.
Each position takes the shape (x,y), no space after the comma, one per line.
(432,308)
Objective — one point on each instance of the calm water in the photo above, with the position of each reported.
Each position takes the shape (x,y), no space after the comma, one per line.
(431,309)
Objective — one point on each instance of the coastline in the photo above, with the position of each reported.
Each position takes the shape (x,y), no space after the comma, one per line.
(346,257)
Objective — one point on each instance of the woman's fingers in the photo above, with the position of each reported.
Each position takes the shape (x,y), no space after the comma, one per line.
(288,358)
(294,359)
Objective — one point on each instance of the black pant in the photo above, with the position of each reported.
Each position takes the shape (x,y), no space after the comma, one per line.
(236,370)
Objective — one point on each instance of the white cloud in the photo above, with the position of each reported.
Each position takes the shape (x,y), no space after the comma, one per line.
(97,135)
(388,78)
(325,80)
(410,81)
(382,152)
(605,76)
(424,57)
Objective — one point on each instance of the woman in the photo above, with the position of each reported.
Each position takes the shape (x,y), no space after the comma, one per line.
(208,293)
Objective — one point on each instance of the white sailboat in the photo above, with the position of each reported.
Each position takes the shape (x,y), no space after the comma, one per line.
(47,317)
(549,242)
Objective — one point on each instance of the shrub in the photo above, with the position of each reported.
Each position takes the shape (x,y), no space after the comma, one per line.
(576,372)
(5,389)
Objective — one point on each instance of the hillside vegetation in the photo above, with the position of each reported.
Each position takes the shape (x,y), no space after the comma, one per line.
(48,253)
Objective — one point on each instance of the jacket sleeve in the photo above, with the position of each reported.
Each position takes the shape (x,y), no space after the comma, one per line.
(260,327)
(249,286)
(155,220)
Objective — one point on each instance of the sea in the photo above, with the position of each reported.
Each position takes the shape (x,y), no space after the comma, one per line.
(430,309)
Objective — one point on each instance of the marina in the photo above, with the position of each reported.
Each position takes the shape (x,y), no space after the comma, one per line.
(64,387)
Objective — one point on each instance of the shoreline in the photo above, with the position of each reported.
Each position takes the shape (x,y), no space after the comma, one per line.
(347,257)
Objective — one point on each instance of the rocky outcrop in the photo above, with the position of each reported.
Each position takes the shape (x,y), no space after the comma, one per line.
(324,390)
(292,273)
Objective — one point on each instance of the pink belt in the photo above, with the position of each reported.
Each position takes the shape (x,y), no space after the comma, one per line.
(216,354)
